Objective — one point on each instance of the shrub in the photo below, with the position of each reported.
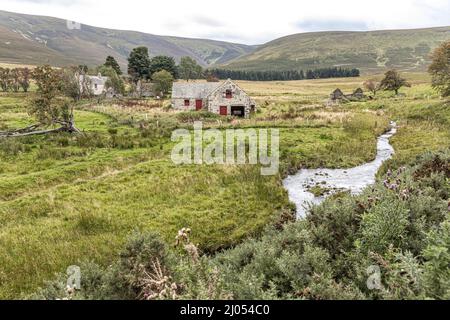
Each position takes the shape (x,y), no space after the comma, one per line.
(191,116)
(437,262)
(48,152)
(91,140)
(400,225)
(124,279)
(12,147)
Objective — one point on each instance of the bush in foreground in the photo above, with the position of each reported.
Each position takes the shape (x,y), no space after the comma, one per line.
(391,242)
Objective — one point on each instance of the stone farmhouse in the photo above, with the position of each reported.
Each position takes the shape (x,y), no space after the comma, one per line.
(224,98)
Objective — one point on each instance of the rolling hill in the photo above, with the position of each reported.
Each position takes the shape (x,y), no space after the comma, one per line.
(28,39)
(371,51)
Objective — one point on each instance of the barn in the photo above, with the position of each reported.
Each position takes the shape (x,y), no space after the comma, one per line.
(224,98)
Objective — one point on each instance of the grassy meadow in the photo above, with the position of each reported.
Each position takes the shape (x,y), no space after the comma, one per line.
(67,198)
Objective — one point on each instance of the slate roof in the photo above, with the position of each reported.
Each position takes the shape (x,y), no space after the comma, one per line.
(193,90)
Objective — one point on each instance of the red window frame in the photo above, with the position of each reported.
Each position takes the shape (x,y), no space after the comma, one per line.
(228,94)
(187,102)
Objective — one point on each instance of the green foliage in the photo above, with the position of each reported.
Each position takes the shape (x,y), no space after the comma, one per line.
(139,64)
(112,63)
(437,257)
(384,225)
(440,69)
(192,116)
(392,81)
(74,83)
(122,280)
(5,79)
(189,69)
(13,147)
(163,81)
(14,79)
(48,107)
(115,82)
(163,63)
(317,73)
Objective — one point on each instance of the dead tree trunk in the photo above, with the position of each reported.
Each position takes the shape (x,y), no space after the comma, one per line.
(66,126)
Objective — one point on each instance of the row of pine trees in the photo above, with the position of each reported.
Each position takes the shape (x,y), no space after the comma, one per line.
(321,73)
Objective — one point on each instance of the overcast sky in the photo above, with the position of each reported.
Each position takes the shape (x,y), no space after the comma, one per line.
(244,21)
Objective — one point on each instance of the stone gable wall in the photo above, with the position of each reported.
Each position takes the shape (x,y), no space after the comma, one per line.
(218,99)
(239,98)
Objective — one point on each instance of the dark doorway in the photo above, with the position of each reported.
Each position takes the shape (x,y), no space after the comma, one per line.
(238,111)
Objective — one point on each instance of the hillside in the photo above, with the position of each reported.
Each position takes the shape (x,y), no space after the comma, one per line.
(369,51)
(28,39)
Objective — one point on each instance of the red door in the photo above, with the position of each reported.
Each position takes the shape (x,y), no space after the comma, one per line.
(223,110)
(198,105)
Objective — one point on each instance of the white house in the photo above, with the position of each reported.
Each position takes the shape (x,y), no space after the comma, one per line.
(96,84)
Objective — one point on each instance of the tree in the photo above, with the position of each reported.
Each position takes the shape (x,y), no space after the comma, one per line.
(393,81)
(48,107)
(84,68)
(25,79)
(45,106)
(163,81)
(440,69)
(114,80)
(14,79)
(112,62)
(15,75)
(75,83)
(189,69)
(160,63)
(211,78)
(5,79)
(321,73)
(139,64)
(372,86)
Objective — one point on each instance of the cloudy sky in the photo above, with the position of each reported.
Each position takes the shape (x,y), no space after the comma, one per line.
(245,21)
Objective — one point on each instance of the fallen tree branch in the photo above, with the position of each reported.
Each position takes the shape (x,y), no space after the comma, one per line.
(26,129)
(31,133)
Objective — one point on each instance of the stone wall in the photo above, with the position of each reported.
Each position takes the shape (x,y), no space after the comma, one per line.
(239,98)
(178,104)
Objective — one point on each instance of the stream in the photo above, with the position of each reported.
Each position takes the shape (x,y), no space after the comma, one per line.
(331,181)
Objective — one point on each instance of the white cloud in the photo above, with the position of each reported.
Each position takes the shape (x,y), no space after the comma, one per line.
(239,20)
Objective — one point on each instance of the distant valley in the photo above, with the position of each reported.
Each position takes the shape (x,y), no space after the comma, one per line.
(32,40)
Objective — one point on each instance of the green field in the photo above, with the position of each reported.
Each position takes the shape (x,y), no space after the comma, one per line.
(66,199)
